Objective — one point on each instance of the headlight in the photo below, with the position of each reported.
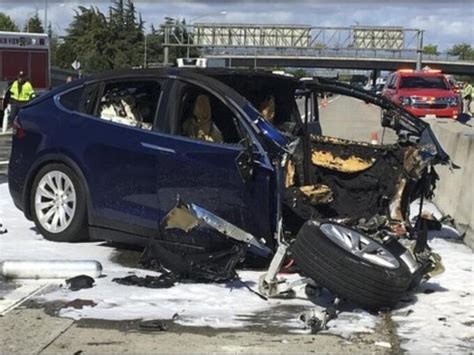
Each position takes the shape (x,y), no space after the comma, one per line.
(453,100)
(405,100)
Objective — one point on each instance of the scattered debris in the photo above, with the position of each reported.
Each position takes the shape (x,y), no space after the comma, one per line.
(49,269)
(195,244)
(317,321)
(383,344)
(79,304)
(153,326)
(166,280)
(79,282)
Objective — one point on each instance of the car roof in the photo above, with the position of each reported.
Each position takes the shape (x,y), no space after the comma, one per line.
(207,76)
(188,72)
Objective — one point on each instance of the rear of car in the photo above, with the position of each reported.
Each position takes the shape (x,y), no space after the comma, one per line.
(34,130)
(424,93)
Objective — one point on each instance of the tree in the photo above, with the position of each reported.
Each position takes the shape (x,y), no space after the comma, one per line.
(154,46)
(103,42)
(299,73)
(34,25)
(430,49)
(7,24)
(87,39)
(463,50)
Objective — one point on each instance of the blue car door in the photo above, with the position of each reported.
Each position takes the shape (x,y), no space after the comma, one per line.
(112,150)
(207,173)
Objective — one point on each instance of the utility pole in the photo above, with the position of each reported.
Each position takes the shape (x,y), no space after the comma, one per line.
(419,49)
(145,53)
(166,48)
(45,25)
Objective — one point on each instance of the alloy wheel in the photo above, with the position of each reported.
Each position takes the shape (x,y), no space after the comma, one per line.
(360,245)
(55,201)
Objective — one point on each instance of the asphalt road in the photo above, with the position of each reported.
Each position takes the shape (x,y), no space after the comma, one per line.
(46,333)
(349,118)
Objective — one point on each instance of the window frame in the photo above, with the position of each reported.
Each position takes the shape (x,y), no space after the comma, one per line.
(159,111)
(162,83)
(174,111)
(83,87)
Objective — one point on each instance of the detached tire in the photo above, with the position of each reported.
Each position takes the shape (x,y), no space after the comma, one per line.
(351,265)
(58,204)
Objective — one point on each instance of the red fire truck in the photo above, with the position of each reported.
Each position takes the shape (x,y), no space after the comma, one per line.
(27,52)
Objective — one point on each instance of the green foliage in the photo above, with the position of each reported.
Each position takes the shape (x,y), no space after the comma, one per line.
(103,42)
(116,39)
(7,24)
(299,73)
(463,50)
(34,25)
(430,49)
(154,46)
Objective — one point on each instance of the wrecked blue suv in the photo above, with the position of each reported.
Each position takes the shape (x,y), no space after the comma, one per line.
(108,157)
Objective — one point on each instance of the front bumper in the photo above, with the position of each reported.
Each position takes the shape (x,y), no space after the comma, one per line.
(449,112)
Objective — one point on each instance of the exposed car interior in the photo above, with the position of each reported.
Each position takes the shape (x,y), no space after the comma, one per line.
(266,92)
(203,116)
(130,103)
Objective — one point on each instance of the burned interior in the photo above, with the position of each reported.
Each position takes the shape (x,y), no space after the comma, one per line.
(340,199)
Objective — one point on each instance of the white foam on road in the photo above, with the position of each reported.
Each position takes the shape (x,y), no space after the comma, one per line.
(440,316)
(215,305)
(440,321)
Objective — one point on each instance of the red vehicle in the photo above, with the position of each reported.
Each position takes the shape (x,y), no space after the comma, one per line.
(425,93)
(27,52)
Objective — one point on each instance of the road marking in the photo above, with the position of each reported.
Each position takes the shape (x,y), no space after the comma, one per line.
(5,162)
(319,106)
(20,295)
(332,100)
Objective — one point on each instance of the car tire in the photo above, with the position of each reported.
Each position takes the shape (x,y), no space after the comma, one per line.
(367,283)
(58,204)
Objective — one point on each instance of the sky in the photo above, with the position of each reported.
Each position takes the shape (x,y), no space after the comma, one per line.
(445,22)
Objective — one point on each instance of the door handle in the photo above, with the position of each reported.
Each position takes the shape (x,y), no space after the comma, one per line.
(158,148)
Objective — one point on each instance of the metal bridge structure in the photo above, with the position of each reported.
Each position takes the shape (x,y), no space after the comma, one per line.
(355,47)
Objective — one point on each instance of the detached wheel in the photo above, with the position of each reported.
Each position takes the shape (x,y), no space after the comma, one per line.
(351,265)
(58,204)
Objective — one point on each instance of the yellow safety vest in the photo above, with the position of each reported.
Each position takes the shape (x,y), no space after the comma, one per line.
(467,91)
(23,92)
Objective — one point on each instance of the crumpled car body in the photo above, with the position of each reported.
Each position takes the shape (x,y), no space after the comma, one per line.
(265,179)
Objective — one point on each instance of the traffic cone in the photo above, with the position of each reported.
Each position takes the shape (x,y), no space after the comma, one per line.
(374,138)
(324,102)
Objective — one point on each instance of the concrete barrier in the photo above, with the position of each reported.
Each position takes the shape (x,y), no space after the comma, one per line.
(455,190)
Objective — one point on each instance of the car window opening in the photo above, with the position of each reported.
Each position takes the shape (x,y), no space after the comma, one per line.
(130,103)
(205,117)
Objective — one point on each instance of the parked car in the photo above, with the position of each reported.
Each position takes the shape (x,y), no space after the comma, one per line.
(377,89)
(425,93)
(108,157)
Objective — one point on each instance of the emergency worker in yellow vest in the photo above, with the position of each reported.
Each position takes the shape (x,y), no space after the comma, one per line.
(21,92)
